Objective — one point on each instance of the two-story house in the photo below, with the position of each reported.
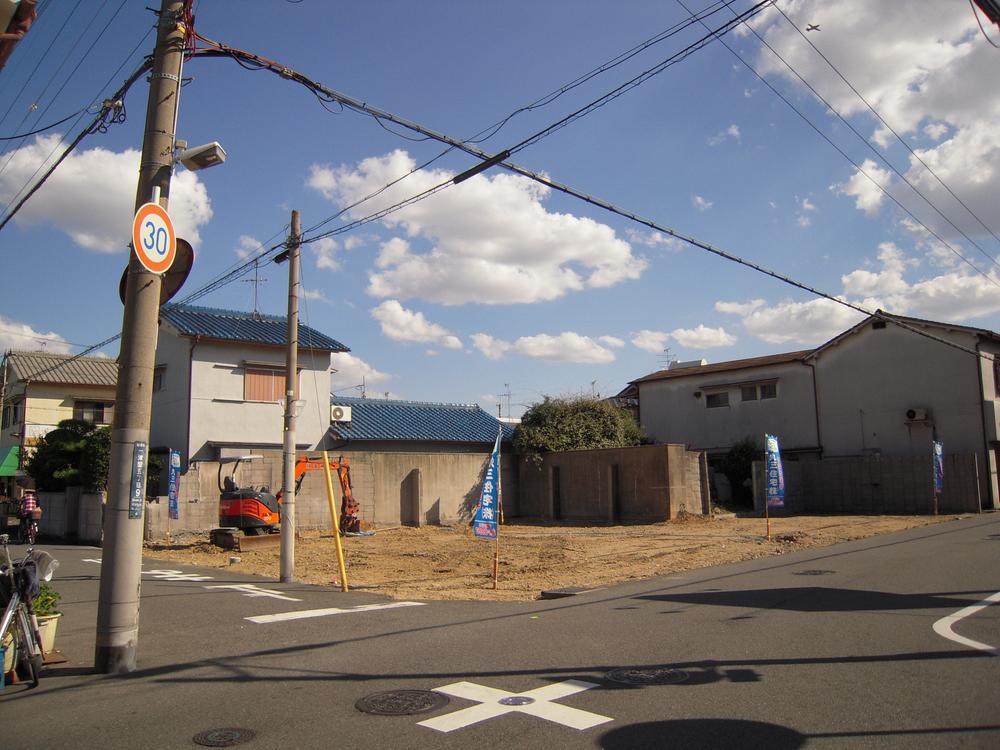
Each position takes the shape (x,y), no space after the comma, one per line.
(219,383)
(41,389)
(887,386)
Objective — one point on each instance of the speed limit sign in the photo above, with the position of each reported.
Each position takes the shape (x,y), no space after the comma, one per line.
(153,237)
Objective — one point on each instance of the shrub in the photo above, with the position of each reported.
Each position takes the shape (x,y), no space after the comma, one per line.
(563,424)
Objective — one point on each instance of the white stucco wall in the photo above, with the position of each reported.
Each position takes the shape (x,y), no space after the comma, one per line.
(669,412)
(868,381)
(169,420)
(215,411)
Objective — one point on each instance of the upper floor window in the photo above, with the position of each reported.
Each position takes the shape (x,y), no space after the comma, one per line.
(759,392)
(95,412)
(716,400)
(159,372)
(996,375)
(262,383)
(11,414)
(748,393)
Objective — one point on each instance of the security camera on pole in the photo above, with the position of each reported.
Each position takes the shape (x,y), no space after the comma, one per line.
(118,600)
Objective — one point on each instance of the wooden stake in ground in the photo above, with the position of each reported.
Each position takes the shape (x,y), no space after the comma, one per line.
(336,523)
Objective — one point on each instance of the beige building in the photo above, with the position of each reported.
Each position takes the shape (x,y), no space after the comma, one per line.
(886,387)
(41,389)
(219,383)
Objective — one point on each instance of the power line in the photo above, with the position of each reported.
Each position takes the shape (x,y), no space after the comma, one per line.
(372,111)
(861,171)
(875,150)
(900,138)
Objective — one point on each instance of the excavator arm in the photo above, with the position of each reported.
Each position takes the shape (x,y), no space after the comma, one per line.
(349,507)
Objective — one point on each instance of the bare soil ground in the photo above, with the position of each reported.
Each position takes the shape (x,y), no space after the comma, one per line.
(436,562)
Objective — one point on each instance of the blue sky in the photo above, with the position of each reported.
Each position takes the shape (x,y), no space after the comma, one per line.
(499,283)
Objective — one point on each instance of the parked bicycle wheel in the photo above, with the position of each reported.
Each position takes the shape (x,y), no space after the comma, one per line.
(29,653)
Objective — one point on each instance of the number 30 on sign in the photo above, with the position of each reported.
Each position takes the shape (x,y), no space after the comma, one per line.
(153,237)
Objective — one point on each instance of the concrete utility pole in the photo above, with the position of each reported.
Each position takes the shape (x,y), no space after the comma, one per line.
(291,403)
(118,601)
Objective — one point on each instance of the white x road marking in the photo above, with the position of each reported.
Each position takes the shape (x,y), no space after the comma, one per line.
(537,702)
(253,591)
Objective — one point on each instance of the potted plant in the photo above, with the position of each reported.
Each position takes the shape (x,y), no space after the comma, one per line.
(48,616)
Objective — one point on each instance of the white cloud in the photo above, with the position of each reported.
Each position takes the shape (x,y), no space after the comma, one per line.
(490,240)
(612,341)
(954,296)
(740,308)
(927,70)
(400,324)
(17,335)
(352,370)
(650,341)
(806,205)
(91,196)
(566,347)
(325,251)
(654,239)
(702,337)
(804,221)
(247,246)
(866,186)
(314,294)
(732,132)
(701,203)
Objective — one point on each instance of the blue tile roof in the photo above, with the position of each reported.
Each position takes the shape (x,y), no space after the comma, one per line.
(254,328)
(375,419)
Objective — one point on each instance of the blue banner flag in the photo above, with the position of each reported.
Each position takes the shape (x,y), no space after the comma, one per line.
(938,467)
(488,511)
(775,474)
(173,479)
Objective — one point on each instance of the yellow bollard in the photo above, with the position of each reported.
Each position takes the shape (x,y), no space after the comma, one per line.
(336,522)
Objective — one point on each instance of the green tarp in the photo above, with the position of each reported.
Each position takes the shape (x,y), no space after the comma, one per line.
(8,460)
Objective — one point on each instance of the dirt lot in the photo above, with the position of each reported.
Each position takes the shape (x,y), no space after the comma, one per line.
(450,563)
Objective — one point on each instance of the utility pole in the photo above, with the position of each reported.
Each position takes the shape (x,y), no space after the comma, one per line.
(118,600)
(291,400)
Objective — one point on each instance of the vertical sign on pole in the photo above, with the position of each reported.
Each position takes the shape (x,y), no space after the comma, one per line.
(775,494)
(173,478)
(938,448)
(138,484)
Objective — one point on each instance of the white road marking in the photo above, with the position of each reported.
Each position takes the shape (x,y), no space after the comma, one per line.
(943,626)
(253,591)
(537,702)
(175,575)
(306,613)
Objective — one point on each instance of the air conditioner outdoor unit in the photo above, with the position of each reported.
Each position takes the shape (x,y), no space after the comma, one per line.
(340,413)
(916,415)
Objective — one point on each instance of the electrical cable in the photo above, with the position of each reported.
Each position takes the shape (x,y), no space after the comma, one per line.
(862,172)
(878,153)
(980,22)
(370,110)
(885,124)
(43,129)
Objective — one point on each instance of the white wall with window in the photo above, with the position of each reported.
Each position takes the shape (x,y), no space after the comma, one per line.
(714,410)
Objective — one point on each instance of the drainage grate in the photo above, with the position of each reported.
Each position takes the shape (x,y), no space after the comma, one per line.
(225,737)
(647,675)
(401,702)
(814,572)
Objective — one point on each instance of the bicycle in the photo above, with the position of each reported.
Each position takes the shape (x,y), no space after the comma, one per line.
(19,583)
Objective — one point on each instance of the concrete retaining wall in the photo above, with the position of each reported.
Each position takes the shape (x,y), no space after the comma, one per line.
(392,489)
(894,485)
(644,483)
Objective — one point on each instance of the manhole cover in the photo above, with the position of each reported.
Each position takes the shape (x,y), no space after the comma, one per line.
(225,737)
(814,572)
(401,702)
(516,700)
(647,675)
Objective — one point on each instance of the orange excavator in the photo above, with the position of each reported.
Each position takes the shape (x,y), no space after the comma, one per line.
(257,511)
(350,522)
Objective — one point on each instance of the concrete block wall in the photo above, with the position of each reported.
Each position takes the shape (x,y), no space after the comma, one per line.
(889,485)
(391,488)
(90,519)
(649,483)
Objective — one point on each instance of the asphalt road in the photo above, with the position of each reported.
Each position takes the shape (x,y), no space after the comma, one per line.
(826,648)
